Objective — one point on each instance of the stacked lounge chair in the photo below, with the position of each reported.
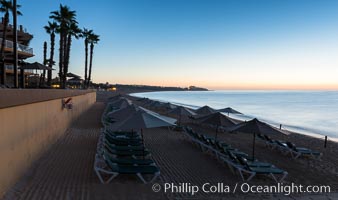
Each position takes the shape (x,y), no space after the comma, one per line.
(236,160)
(123,153)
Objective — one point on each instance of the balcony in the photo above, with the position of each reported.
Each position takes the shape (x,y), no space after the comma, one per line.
(21,48)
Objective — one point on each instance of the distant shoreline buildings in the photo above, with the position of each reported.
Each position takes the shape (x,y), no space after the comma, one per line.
(145,88)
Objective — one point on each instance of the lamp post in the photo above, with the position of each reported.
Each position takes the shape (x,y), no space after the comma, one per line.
(15,47)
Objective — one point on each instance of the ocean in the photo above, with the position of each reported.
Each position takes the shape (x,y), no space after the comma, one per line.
(312,113)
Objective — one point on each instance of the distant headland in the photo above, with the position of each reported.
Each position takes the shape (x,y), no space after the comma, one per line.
(145,88)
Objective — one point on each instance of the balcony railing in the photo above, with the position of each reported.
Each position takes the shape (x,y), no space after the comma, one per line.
(22,48)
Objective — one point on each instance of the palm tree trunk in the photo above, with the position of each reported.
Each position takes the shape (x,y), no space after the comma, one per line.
(64,77)
(42,82)
(2,51)
(50,64)
(67,57)
(61,58)
(90,63)
(86,62)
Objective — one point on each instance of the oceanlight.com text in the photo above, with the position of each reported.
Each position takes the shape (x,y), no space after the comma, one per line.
(285,189)
(244,188)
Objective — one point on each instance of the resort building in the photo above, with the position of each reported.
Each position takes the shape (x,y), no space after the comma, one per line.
(24,51)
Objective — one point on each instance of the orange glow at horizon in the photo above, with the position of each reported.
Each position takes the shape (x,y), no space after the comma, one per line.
(168,82)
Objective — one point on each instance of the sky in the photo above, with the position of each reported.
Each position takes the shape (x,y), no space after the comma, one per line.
(218,44)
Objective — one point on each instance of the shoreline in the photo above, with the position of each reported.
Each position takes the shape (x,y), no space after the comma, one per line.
(300,171)
(289,128)
(61,172)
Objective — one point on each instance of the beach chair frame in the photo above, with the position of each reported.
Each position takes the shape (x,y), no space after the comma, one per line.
(101,168)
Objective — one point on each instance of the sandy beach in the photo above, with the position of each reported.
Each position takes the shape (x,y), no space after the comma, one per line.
(65,171)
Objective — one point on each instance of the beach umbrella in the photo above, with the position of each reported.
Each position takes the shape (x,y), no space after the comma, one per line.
(229,110)
(181,111)
(205,110)
(144,99)
(166,106)
(154,104)
(169,106)
(146,102)
(254,127)
(143,119)
(217,119)
(123,113)
(120,103)
(158,104)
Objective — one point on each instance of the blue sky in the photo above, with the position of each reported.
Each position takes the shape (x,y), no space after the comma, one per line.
(220,44)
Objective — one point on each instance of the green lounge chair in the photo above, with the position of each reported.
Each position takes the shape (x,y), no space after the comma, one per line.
(128,153)
(107,167)
(252,171)
(127,161)
(270,171)
(121,137)
(126,148)
(131,135)
(243,161)
(296,152)
(122,141)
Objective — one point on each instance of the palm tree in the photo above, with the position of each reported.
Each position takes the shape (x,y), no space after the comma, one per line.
(73,30)
(51,29)
(5,7)
(93,39)
(42,78)
(64,17)
(85,34)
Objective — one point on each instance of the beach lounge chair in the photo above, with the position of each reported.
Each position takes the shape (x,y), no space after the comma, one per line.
(128,153)
(107,167)
(282,147)
(270,142)
(270,171)
(301,151)
(252,163)
(221,145)
(127,161)
(197,139)
(123,133)
(123,141)
(126,148)
(123,137)
(247,171)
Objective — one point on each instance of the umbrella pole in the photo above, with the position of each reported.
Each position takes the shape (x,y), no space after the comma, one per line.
(142,141)
(216,133)
(253,146)
(179,120)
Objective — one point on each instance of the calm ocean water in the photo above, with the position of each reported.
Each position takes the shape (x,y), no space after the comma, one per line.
(307,112)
